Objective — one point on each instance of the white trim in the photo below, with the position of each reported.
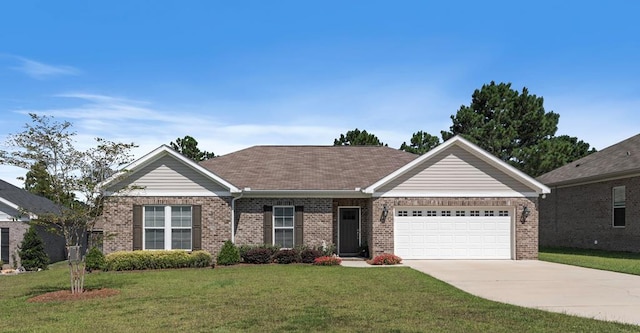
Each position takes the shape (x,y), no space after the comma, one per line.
(156,154)
(457,140)
(144,193)
(459,194)
(31,216)
(273,226)
(359,225)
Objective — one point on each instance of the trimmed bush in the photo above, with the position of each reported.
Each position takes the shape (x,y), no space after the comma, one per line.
(327,261)
(140,260)
(286,256)
(229,254)
(265,249)
(386,259)
(308,256)
(94,259)
(31,251)
(258,255)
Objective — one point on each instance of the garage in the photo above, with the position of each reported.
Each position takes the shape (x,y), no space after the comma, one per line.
(450,233)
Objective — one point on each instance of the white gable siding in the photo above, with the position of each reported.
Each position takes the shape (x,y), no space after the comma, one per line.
(455,171)
(168,176)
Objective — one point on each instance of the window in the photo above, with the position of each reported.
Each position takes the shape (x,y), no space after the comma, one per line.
(417,213)
(283,226)
(460,213)
(4,245)
(403,213)
(503,213)
(619,204)
(445,213)
(431,213)
(167,227)
(474,213)
(488,213)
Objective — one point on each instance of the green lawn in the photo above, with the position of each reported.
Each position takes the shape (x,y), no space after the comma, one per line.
(624,262)
(271,298)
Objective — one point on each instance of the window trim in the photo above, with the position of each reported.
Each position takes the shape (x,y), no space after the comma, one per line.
(167,228)
(292,228)
(618,206)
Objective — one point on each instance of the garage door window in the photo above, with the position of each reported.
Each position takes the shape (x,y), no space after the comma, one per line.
(403,213)
(503,213)
(417,213)
(445,213)
(488,213)
(474,213)
(432,213)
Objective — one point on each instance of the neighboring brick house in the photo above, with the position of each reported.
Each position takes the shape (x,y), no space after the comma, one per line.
(595,201)
(456,201)
(17,208)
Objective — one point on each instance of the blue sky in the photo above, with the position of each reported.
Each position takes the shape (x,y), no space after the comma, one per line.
(239,73)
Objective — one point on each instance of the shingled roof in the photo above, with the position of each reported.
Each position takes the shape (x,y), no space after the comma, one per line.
(618,160)
(307,167)
(26,200)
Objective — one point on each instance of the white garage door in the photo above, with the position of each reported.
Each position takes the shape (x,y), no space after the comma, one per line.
(428,233)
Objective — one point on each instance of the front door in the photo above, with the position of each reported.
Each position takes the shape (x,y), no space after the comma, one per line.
(348,231)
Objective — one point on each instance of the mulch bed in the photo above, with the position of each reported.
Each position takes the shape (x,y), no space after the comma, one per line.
(66,295)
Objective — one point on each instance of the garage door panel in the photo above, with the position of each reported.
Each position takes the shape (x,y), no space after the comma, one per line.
(453,237)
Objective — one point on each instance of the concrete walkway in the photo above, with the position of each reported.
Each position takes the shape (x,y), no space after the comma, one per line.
(537,284)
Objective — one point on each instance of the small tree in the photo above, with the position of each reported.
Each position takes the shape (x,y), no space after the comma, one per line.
(229,254)
(74,173)
(31,251)
(358,138)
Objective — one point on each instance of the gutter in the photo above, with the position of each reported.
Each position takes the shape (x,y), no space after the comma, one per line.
(233,217)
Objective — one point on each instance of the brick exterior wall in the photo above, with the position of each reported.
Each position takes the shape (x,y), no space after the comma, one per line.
(16,234)
(526,238)
(578,216)
(118,220)
(317,224)
(54,244)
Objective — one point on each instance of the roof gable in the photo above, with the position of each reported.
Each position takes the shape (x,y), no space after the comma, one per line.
(622,158)
(307,168)
(490,172)
(171,160)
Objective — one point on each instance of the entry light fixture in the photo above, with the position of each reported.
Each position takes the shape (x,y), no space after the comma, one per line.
(385,212)
(525,214)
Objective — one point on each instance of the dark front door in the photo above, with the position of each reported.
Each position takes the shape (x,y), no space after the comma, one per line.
(349,231)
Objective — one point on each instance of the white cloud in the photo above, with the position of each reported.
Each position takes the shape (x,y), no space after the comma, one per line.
(39,70)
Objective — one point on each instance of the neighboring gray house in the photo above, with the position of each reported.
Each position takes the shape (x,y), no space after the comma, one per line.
(455,202)
(595,201)
(17,208)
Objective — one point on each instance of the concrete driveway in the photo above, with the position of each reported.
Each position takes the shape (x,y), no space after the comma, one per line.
(537,284)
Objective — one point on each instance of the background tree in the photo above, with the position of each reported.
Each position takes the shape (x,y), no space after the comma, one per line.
(38,181)
(73,171)
(188,147)
(513,126)
(358,138)
(31,251)
(421,142)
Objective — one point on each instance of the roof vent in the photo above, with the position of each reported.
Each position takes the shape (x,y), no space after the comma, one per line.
(628,153)
(577,165)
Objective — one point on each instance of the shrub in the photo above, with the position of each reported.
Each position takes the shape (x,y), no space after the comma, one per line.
(286,256)
(386,259)
(94,259)
(308,256)
(31,251)
(327,261)
(229,254)
(138,260)
(265,249)
(258,255)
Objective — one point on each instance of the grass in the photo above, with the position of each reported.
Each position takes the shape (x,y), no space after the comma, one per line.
(623,262)
(271,298)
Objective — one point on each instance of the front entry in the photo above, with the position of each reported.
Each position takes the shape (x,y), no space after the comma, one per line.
(348,231)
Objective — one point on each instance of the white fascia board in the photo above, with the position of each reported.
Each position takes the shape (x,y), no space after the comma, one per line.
(304,194)
(160,152)
(144,193)
(17,208)
(472,148)
(455,194)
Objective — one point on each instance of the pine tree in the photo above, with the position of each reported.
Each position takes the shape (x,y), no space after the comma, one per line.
(31,251)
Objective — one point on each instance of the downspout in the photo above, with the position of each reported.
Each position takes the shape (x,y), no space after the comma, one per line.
(233,217)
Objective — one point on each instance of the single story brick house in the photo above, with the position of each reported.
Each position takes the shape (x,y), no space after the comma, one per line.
(456,201)
(595,201)
(18,208)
